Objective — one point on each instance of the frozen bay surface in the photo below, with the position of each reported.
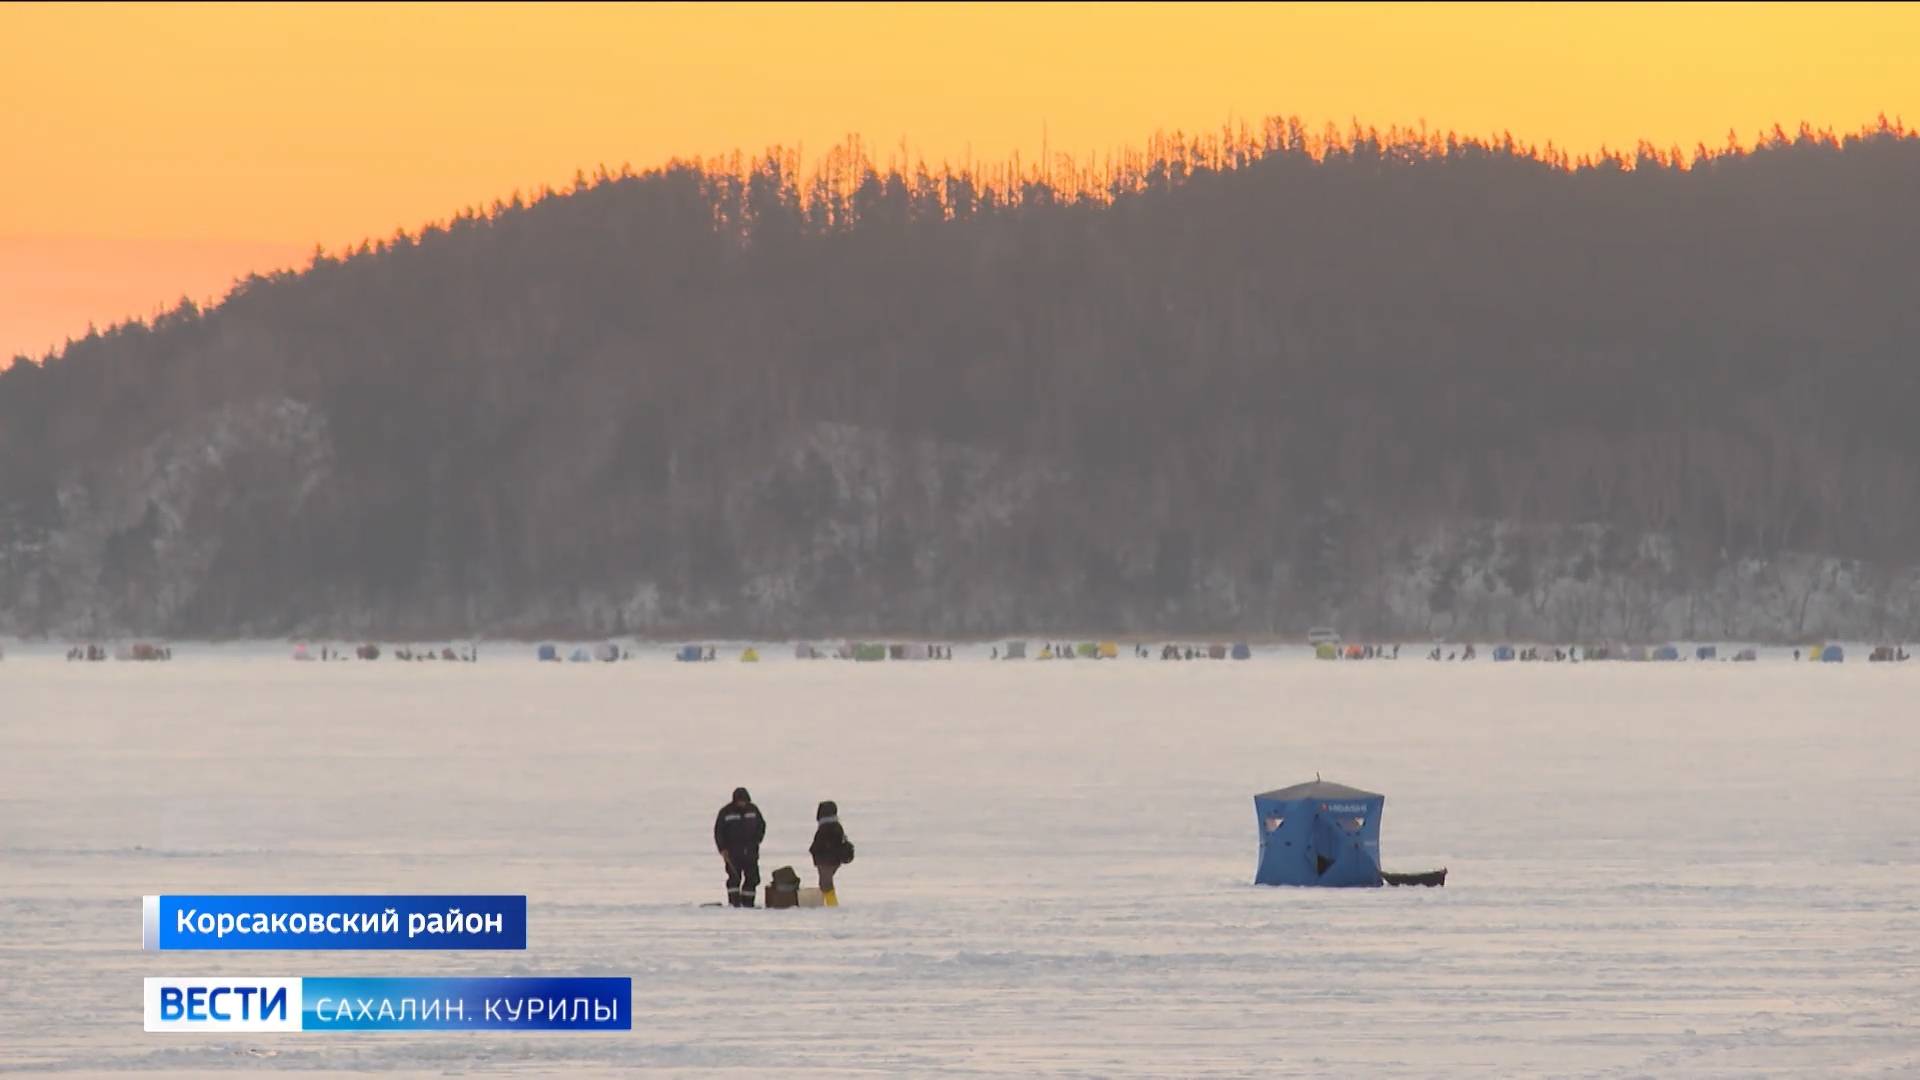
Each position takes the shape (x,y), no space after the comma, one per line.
(1656,870)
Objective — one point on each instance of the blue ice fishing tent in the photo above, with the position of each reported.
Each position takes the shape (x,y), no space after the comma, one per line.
(1832,654)
(1319,833)
(1242,651)
(1503,652)
(1706,652)
(547,653)
(690,654)
(1666,652)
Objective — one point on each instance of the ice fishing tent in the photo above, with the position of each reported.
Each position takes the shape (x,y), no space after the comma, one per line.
(547,653)
(1326,651)
(606,652)
(1015,650)
(1832,654)
(1242,651)
(1319,833)
(1666,653)
(690,654)
(1502,653)
(1706,652)
(301,652)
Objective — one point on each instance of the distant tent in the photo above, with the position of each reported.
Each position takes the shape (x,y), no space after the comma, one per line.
(606,652)
(1241,651)
(579,655)
(1832,654)
(1109,650)
(1638,653)
(896,652)
(368,651)
(1882,654)
(1087,650)
(1046,652)
(1706,652)
(1326,650)
(1355,652)
(690,654)
(301,652)
(1319,833)
(1502,653)
(1746,656)
(1216,652)
(1595,652)
(750,655)
(804,651)
(868,652)
(1666,652)
(1015,650)
(914,652)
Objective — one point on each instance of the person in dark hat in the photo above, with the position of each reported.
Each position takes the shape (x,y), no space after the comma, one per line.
(737,832)
(830,849)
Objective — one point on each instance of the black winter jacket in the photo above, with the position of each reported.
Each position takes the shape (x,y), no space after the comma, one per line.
(829,844)
(739,830)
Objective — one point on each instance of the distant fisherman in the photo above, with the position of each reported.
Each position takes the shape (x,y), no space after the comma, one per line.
(830,849)
(737,832)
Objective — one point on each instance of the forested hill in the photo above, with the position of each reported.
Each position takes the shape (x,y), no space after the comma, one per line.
(1400,383)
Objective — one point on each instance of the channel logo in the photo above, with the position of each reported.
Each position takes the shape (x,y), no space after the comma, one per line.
(228,1003)
(519,1003)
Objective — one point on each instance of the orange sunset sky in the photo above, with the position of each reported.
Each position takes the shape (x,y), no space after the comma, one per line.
(153,151)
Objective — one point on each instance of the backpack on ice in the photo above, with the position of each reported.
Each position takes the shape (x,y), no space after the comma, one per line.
(783,889)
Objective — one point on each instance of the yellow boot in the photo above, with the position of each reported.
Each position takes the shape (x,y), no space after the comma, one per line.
(827,898)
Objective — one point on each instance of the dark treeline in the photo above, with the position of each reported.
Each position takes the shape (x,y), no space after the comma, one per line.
(772,399)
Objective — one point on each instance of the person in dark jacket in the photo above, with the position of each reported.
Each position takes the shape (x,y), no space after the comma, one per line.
(737,831)
(830,849)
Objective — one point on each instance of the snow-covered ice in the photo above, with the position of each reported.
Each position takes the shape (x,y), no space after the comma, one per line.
(1656,870)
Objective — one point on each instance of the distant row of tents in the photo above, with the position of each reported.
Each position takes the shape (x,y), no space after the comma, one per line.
(605,652)
(869,651)
(139,651)
(1828,654)
(305,653)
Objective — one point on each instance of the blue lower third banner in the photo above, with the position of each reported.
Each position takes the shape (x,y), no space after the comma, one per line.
(333,922)
(243,1003)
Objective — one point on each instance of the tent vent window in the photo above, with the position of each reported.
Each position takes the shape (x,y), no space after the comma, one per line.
(1274,823)
(1351,824)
